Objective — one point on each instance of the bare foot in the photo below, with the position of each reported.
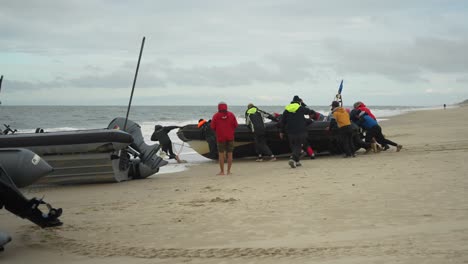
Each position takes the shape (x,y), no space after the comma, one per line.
(220,173)
(229,173)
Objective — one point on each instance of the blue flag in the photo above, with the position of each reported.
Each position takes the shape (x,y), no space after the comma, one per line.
(341,87)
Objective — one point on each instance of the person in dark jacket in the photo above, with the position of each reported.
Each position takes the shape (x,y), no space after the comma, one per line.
(362,107)
(209,135)
(358,135)
(254,120)
(294,124)
(161,134)
(373,130)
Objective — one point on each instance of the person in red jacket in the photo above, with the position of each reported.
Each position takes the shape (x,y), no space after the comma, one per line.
(224,123)
(363,108)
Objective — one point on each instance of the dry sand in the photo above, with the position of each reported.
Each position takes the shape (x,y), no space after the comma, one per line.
(406,207)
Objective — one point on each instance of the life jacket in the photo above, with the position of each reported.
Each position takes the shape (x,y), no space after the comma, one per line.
(292,107)
(254,120)
(364,108)
(293,120)
(341,117)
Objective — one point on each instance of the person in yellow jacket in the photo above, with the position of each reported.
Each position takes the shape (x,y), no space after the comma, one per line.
(344,129)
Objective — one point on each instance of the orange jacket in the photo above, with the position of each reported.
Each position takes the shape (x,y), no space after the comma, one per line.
(341,117)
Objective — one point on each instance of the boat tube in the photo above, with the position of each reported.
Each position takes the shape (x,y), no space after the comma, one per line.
(320,137)
(27,168)
(93,155)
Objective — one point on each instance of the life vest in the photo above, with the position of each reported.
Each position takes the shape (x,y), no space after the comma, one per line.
(292,107)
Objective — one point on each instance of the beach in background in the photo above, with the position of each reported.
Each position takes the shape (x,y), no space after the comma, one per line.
(61,118)
(388,207)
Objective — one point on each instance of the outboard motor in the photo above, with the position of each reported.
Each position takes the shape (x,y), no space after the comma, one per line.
(12,173)
(149,162)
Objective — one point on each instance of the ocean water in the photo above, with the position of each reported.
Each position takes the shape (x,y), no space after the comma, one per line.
(60,118)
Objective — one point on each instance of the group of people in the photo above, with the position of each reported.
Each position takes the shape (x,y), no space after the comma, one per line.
(363,118)
(219,132)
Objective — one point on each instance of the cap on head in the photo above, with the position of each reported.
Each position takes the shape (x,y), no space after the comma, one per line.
(222,106)
(357,104)
(335,104)
(250,105)
(157,127)
(296,98)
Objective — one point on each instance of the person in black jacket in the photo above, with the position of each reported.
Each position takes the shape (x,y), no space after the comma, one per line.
(294,124)
(254,120)
(209,135)
(161,134)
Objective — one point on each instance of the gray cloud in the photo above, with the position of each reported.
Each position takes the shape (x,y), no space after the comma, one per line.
(280,69)
(220,44)
(462,80)
(402,62)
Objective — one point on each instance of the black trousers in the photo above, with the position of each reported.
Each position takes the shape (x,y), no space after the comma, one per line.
(168,149)
(213,146)
(346,135)
(261,146)
(295,143)
(359,143)
(376,132)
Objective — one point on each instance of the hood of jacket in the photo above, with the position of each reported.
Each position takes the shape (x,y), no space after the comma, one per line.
(362,105)
(292,107)
(339,110)
(222,107)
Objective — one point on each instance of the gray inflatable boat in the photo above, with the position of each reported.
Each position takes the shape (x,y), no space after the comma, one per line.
(95,155)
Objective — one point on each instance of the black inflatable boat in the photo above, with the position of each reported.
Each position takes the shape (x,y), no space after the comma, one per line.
(320,137)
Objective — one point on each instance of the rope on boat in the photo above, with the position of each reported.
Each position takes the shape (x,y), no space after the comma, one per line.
(180,148)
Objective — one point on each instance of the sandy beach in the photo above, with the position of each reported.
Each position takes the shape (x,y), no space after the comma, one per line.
(389,207)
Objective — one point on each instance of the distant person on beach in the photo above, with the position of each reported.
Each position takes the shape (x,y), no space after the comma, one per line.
(294,124)
(345,129)
(445,106)
(254,120)
(224,123)
(161,134)
(373,130)
(209,135)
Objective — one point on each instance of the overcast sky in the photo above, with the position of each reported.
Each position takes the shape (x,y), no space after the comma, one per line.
(83,52)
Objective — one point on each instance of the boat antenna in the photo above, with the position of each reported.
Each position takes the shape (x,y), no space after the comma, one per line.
(134,82)
(1,80)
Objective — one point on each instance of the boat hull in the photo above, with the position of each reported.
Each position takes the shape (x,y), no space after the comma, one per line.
(320,137)
(79,156)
